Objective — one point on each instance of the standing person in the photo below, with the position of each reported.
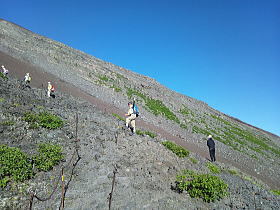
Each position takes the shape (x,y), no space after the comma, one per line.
(5,71)
(49,89)
(27,79)
(211,146)
(130,120)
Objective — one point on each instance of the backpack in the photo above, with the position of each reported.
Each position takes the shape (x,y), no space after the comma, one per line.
(52,89)
(135,110)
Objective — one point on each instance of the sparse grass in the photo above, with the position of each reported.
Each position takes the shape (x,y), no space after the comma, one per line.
(2,100)
(213,168)
(232,172)
(104,78)
(8,123)
(276,192)
(176,149)
(154,105)
(118,117)
(116,89)
(197,129)
(148,133)
(193,160)
(184,126)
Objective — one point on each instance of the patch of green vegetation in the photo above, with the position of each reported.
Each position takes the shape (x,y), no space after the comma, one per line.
(209,188)
(2,100)
(43,119)
(3,76)
(178,150)
(155,106)
(232,172)
(276,192)
(104,78)
(8,123)
(148,133)
(15,165)
(193,160)
(119,76)
(225,122)
(48,156)
(117,89)
(197,129)
(186,111)
(213,168)
(118,117)
(184,126)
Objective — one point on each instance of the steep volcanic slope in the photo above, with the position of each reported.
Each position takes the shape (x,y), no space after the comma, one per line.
(180,116)
(145,168)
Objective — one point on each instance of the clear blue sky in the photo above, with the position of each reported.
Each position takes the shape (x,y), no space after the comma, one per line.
(223,52)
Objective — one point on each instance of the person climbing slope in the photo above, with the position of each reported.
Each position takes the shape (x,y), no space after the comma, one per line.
(130,120)
(211,146)
(49,89)
(27,80)
(5,71)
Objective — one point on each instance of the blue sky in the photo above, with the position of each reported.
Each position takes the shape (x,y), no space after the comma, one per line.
(223,52)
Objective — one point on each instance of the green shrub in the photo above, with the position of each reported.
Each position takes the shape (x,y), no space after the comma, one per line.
(209,188)
(118,117)
(2,99)
(48,156)
(213,168)
(15,165)
(276,192)
(148,133)
(3,76)
(232,172)
(43,119)
(193,160)
(178,150)
(104,78)
(8,123)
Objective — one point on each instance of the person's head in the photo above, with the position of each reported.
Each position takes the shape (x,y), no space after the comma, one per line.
(209,137)
(27,74)
(3,66)
(130,104)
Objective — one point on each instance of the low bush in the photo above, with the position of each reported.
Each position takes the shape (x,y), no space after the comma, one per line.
(213,168)
(3,76)
(193,160)
(178,150)
(48,156)
(15,165)
(209,188)
(232,172)
(8,123)
(43,119)
(276,192)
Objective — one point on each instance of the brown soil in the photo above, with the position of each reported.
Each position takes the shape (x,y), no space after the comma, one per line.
(40,78)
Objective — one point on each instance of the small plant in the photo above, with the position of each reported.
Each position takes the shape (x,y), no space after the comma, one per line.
(15,165)
(3,76)
(148,133)
(48,156)
(178,150)
(118,117)
(116,89)
(43,119)
(213,168)
(209,188)
(193,160)
(8,123)
(2,100)
(232,172)
(104,78)
(276,192)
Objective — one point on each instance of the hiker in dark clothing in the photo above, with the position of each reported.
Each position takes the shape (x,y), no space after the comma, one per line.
(211,146)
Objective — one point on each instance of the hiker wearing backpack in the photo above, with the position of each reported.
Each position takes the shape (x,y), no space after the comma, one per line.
(49,89)
(27,80)
(131,116)
(5,71)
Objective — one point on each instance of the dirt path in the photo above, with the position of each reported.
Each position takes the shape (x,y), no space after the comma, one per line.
(40,78)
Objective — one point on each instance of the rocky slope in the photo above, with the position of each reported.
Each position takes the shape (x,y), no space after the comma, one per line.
(145,168)
(171,115)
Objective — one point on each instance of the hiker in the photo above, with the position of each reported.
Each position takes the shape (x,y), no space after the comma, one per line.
(211,146)
(49,89)
(5,71)
(27,79)
(131,116)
